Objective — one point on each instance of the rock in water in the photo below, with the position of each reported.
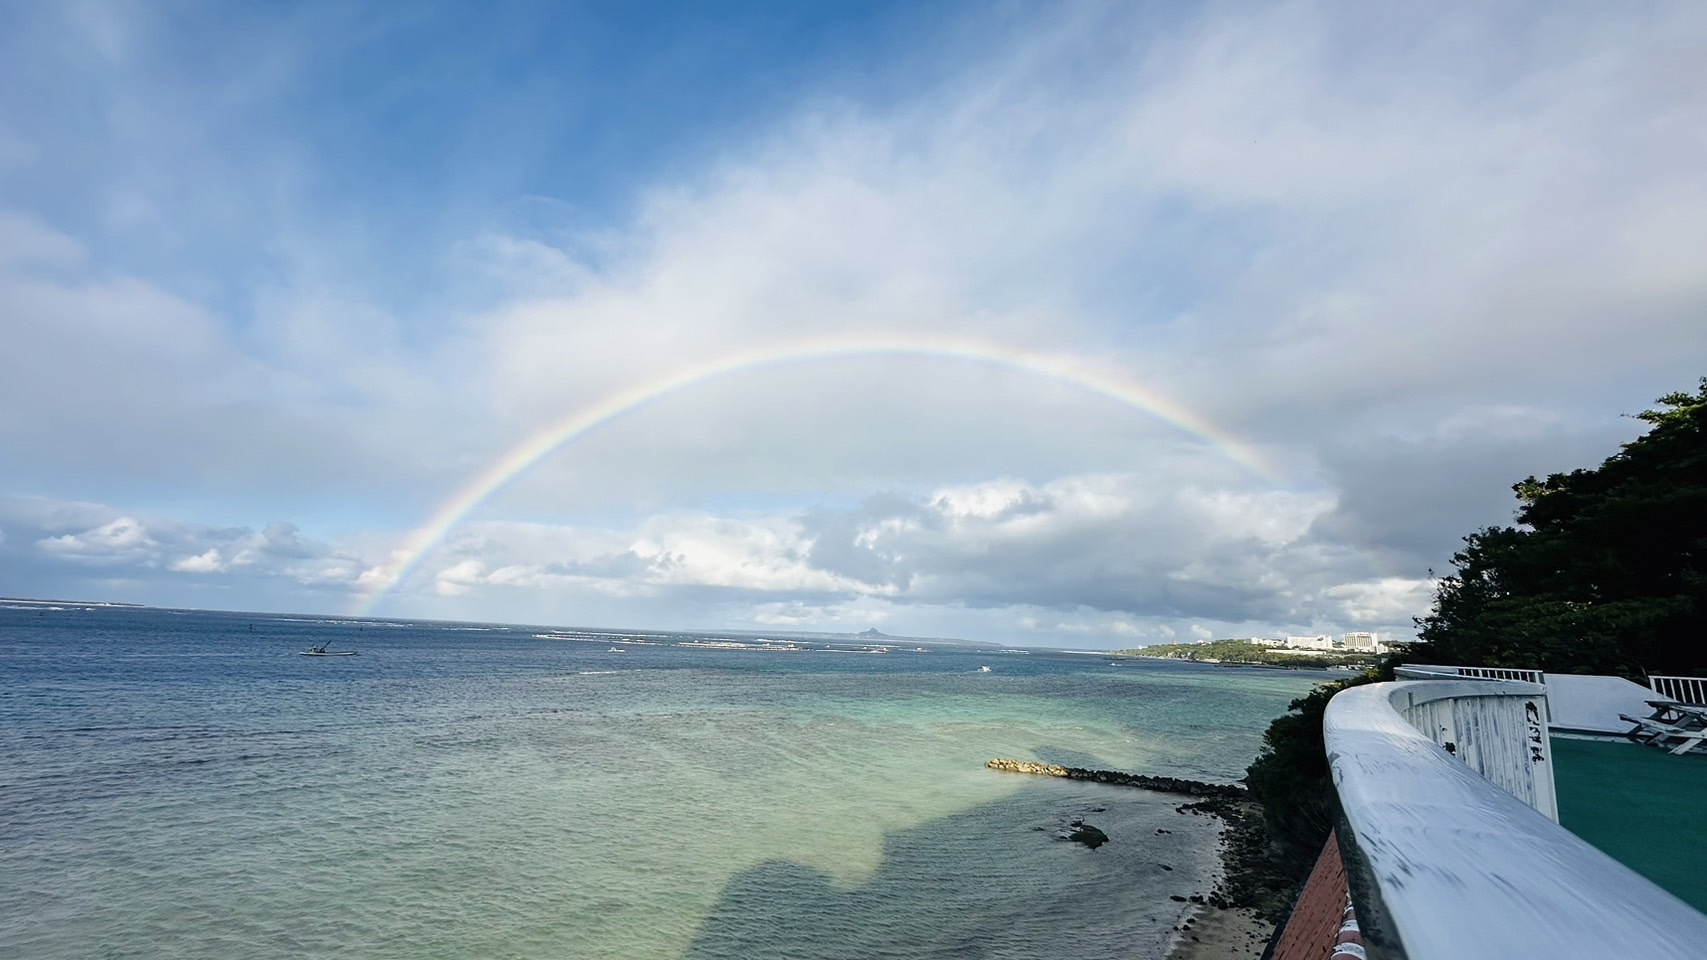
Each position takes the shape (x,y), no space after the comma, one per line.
(1088,835)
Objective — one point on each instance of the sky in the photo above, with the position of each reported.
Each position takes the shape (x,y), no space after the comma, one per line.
(1087,325)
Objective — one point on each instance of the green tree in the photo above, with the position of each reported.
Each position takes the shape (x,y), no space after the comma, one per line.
(1604,572)
(1291,780)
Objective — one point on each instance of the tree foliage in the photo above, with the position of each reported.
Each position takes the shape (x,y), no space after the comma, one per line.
(1604,572)
(1290,777)
(1291,780)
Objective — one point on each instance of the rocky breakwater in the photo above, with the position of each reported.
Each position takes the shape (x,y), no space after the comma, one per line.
(1251,879)
(1189,788)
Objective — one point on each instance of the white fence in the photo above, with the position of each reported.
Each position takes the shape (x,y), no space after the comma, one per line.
(1692,690)
(1425,671)
(1445,864)
(1429,671)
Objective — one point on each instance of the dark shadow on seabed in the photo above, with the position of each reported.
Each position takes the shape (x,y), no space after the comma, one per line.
(940,892)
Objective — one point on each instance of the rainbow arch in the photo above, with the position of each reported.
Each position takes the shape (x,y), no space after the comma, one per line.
(380,580)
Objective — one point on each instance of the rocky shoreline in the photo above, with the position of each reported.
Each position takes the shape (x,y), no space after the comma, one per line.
(1249,880)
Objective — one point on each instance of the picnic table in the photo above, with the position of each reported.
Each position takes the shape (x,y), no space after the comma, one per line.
(1673,726)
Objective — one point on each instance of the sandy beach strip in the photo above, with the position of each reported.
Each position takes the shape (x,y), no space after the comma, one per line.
(1210,933)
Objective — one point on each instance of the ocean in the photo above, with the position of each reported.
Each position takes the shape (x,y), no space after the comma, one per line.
(184,784)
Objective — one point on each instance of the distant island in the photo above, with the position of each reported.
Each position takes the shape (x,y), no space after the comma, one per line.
(870,635)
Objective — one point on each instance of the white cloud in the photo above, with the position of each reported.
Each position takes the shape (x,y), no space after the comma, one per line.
(1293,220)
(124,540)
(27,242)
(1412,257)
(1385,601)
(757,554)
(1121,553)
(457,578)
(65,539)
(209,561)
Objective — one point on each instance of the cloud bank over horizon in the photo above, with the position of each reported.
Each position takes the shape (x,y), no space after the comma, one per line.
(279,284)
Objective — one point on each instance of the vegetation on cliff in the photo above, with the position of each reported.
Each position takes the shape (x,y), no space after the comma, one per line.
(1606,571)
(1245,652)
(1290,778)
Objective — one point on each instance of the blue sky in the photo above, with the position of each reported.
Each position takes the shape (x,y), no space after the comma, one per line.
(278,280)
(391,133)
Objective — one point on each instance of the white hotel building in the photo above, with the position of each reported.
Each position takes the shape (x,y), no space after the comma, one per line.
(1361,642)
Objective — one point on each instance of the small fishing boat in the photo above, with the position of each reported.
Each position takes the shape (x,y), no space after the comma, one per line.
(321,651)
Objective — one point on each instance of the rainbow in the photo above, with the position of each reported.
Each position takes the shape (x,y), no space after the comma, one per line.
(380,580)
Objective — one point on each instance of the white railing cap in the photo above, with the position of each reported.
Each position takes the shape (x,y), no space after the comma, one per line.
(1465,870)
(1427,671)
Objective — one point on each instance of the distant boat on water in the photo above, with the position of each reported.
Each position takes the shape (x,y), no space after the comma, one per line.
(321,651)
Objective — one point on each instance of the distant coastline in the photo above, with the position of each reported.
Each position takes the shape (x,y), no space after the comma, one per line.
(1247,654)
(39,602)
(871,636)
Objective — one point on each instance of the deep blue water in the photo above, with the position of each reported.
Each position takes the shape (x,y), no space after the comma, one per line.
(185,784)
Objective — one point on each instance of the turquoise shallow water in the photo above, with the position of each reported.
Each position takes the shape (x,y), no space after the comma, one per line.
(183,784)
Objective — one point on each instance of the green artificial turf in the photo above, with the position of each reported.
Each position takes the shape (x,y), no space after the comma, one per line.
(1645,808)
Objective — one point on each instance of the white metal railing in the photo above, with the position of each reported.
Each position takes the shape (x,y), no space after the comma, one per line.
(1424,671)
(1500,733)
(1427,671)
(1691,690)
(1444,863)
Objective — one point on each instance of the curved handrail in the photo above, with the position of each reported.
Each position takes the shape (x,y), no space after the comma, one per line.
(1444,864)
